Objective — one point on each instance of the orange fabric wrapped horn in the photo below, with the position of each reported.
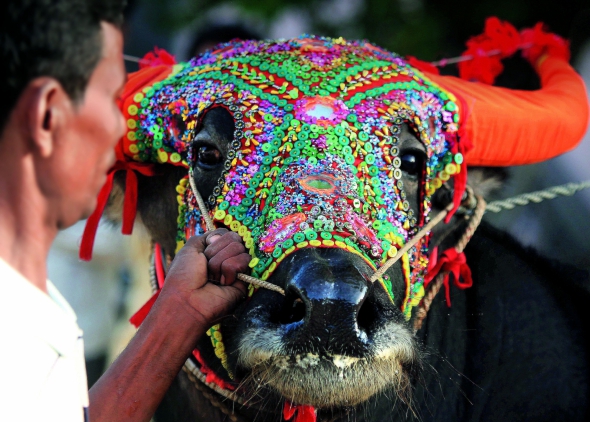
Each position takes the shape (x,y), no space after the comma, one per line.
(512,127)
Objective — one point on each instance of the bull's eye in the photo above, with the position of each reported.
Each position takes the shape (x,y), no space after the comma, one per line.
(207,157)
(412,162)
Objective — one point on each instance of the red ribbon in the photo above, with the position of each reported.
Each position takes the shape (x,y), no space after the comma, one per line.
(129,203)
(451,262)
(302,413)
(422,65)
(138,317)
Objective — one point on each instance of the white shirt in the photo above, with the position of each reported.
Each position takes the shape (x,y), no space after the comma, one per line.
(93,289)
(42,372)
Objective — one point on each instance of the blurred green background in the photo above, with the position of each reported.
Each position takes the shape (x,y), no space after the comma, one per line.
(428,29)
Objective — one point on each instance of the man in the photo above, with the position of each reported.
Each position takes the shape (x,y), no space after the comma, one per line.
(61,73)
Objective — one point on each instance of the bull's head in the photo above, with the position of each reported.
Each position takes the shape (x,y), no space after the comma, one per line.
(324,156)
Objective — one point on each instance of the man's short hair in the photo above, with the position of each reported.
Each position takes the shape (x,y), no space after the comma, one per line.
(56,38)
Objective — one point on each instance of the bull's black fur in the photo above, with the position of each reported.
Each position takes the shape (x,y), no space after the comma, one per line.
(514,347)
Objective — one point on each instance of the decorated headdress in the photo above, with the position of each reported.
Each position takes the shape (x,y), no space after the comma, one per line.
(314,163)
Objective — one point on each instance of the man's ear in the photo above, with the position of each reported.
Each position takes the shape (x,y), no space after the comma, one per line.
(43,108)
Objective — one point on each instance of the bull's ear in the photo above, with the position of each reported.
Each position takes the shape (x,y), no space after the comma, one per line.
(113,211)
(157,206)
(484,181)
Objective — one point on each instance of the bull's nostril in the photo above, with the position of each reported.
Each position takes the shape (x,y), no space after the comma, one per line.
(366,315)
(293,310)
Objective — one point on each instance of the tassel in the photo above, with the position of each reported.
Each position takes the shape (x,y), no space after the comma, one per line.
(89,234)
(422,65)
(210,375)
(499,40)
(138,317)
(129,204)
(156,58)
(543,43)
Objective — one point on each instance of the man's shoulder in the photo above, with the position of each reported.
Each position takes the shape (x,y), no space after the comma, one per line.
(41,357)
(36,382)
(29,314)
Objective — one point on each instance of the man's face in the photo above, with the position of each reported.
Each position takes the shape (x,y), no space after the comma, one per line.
(85,144)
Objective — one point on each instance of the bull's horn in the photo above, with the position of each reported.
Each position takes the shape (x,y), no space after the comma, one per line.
(512,127)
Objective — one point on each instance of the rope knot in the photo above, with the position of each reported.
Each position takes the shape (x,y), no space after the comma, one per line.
(451,262)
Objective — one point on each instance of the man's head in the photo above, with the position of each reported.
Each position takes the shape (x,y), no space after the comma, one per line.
(61,69)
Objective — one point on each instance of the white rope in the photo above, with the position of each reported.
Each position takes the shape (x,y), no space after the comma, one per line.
(423,232)
(496,206)
(550,193)
(211,226)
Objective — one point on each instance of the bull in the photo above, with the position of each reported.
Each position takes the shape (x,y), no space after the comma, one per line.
(326,157)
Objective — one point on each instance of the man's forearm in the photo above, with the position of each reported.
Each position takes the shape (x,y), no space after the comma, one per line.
(136,382)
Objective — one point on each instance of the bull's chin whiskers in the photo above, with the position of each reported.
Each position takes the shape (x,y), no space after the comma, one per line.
(211,226)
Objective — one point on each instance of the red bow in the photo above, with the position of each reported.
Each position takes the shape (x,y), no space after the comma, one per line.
(451,262)
(129,204)
(302,413)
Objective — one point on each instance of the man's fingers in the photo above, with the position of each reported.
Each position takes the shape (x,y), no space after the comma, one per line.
(195,243)
(215,262)
(222,242)
(234,265)
(213,235)
(186,258)
(188,271)
(231,295)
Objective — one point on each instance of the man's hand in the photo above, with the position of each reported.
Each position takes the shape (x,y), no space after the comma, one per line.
(202,276)
(201,286)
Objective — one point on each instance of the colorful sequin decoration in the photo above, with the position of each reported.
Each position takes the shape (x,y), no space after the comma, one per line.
(314,160)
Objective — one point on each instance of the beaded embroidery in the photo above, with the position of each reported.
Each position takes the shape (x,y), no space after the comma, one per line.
(314,160)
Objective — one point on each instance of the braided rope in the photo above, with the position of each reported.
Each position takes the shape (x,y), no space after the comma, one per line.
(260,283)
(435,286)
(205,388)
(496,206)
(550,193)
(211,226)
(473,224)
(192,369)
(423,232)
(202,207)
(424,307)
